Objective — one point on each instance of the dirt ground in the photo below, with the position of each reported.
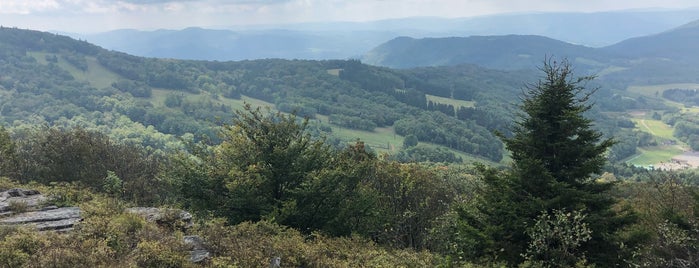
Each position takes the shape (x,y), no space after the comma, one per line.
(686,160)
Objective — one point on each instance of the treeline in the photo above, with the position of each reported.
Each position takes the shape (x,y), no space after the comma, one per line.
(686,96)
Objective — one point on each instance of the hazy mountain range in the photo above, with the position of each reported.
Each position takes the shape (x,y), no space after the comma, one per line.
(342,40)
(669,56)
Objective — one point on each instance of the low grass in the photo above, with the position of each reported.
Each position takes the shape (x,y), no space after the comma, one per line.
(335,72)
(96,74)
(654,155)
(454,102)
(381,139)
(159,94)
(651,90)
(655,127)
(609,70)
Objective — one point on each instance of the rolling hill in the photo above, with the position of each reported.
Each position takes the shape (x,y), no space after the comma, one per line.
(499,52)
(678,44)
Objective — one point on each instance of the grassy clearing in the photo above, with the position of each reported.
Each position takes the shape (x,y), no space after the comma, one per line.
(381,139)
(96,74)
(335,72)
(385,140)
(159,95)
(654,155)
(454,102)
(651,90)
(609,70)
(654,127)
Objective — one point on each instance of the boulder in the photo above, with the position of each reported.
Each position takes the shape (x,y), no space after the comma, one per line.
(198,253)
(176,217)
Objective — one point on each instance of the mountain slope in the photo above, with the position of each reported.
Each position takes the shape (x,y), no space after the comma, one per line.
(678,44)
(500,52)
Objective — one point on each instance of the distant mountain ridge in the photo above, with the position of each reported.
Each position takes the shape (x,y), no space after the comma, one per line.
(669,56)
(499,52)
(677,44)
(342,40)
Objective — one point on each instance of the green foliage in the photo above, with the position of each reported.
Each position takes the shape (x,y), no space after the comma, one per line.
(555,153)
(263,159)
(112,184)
(50,155)
(556,239)
(410,141)
(255,244)
(427,153)
(8,154)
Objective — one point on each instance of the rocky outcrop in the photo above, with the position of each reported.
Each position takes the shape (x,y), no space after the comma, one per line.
(58,219)
(174,217)
(16,198)
(198,253)
(24,207)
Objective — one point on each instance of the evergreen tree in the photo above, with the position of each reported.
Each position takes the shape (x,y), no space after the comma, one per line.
(555,155)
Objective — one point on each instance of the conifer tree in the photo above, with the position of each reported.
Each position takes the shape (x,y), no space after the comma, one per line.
(556,154)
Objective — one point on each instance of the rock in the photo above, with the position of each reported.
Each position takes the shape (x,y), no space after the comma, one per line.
(30,198)
(177,217)
(198,253)
(59,219)
(23,207)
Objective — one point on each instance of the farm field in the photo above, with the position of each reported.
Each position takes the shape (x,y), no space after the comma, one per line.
(655,155)
(454,102)
(651,90)
(654,127)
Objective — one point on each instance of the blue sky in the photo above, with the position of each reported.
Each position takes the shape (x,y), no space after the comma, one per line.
(101,15)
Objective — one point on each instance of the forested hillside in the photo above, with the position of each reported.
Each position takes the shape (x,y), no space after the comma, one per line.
(51,79)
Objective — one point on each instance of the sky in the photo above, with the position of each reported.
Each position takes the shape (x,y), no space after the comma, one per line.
(90,16)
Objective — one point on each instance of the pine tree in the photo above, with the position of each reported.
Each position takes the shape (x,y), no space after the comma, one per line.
(555,154)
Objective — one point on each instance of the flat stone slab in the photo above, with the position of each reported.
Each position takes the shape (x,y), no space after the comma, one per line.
(44,220)
(31,198)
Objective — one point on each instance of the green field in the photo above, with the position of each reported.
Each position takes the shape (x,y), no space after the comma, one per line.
(653,89)
(381,139)
(335,72)
(96,74)
(654,155)
(655,127)
(159,95)
(454,102)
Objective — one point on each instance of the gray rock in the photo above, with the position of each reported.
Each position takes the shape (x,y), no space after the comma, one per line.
(59,219)
(198,253)
(31,198)
(163,215)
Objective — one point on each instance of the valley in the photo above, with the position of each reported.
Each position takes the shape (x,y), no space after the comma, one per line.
(535,139)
